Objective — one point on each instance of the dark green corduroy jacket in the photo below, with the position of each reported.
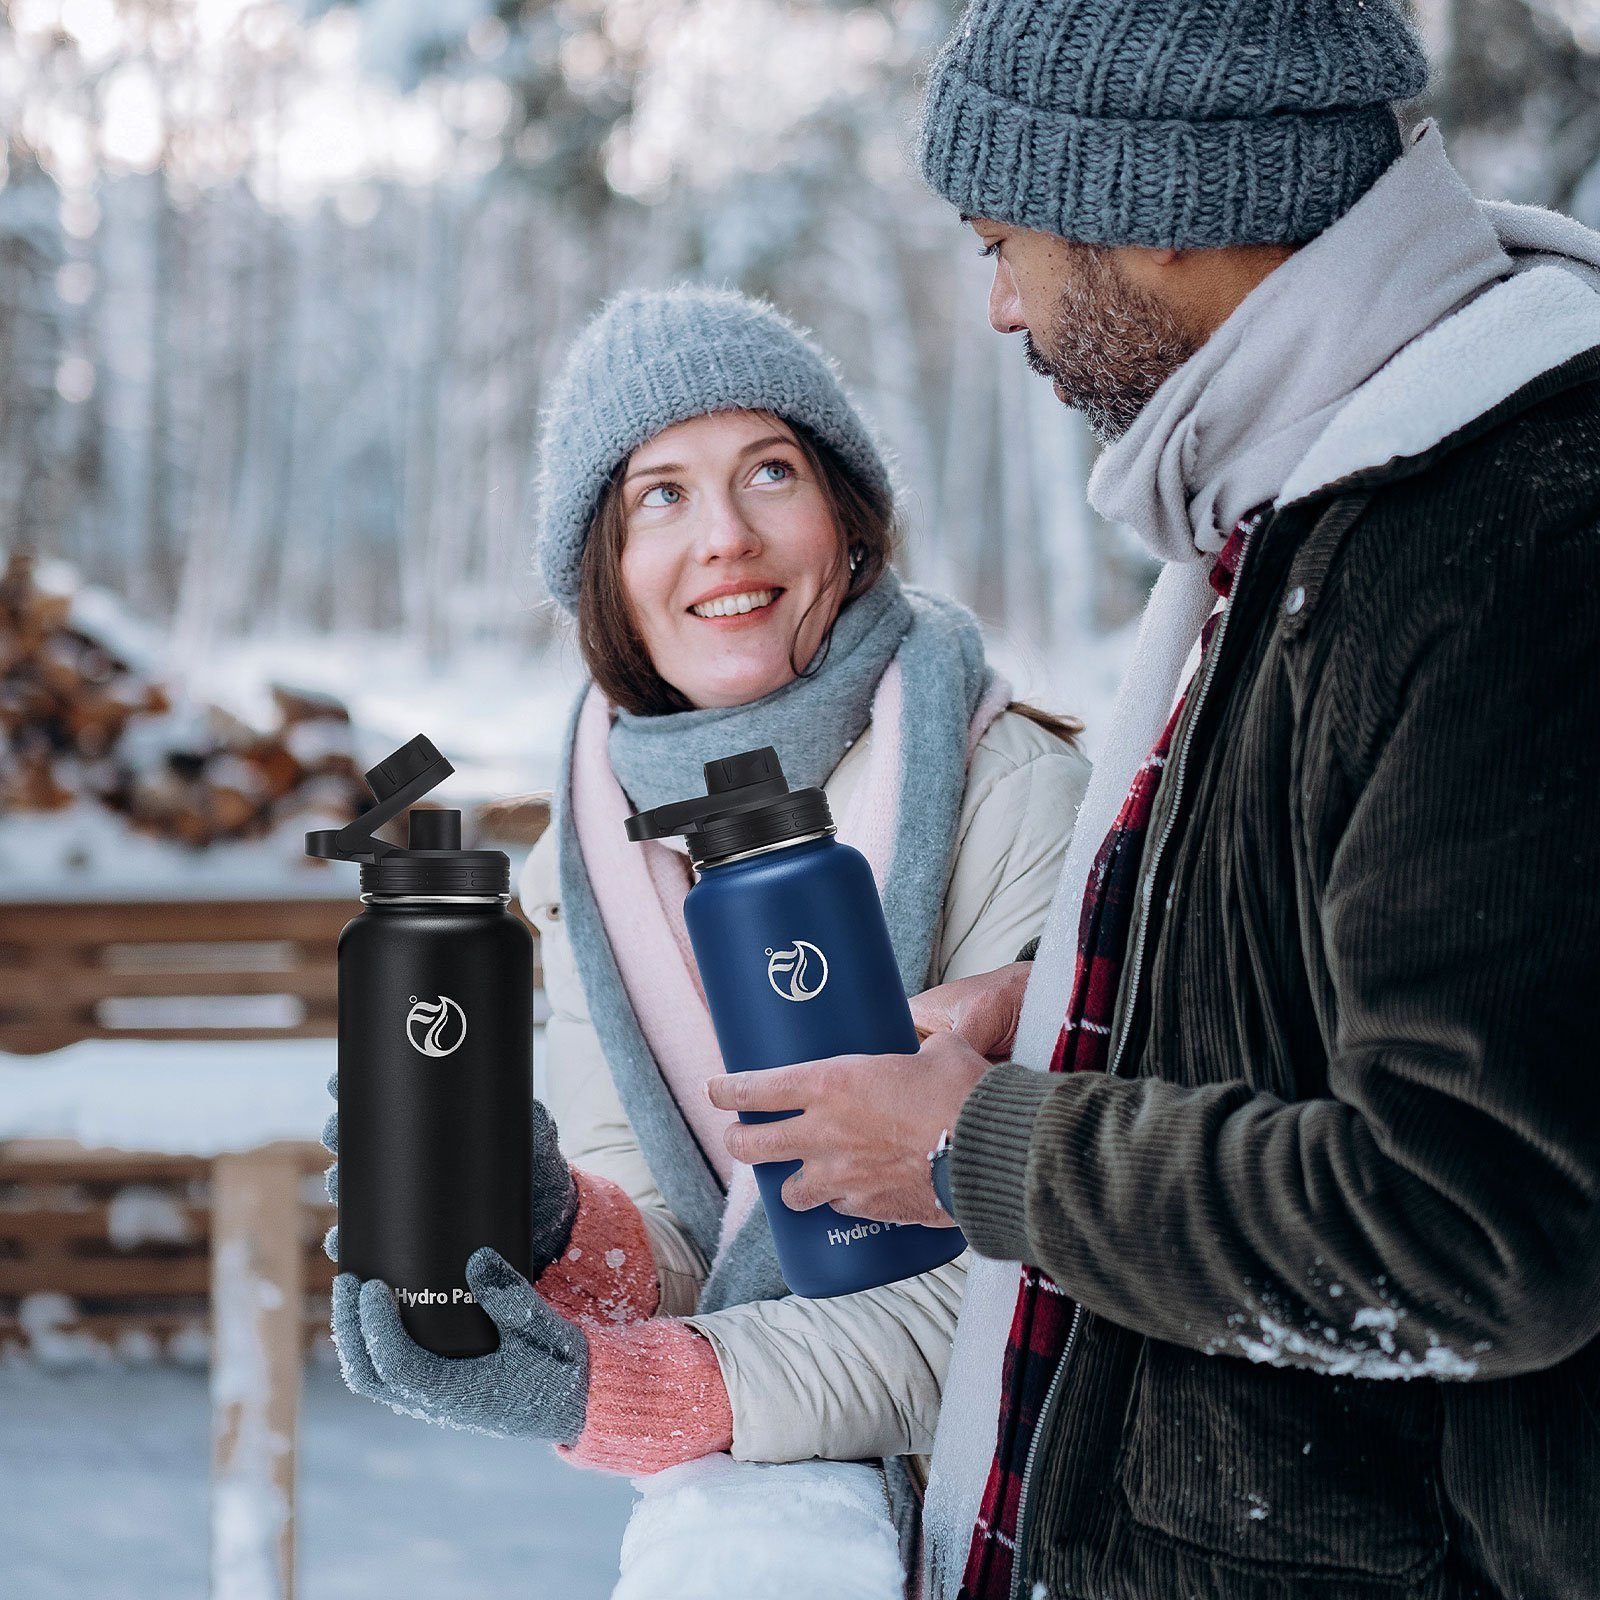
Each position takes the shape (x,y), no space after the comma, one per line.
(1334,1223)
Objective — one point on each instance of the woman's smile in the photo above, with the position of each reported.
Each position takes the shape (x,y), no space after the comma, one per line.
(738,608)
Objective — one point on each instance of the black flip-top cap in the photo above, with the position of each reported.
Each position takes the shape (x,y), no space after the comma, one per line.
(748,805)
(434,863)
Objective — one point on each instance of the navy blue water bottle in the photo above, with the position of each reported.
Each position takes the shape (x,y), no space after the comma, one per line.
(796,963)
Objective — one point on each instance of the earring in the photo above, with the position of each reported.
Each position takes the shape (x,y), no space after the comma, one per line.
(855,557)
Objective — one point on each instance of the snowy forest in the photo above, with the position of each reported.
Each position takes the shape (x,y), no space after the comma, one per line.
(280,287)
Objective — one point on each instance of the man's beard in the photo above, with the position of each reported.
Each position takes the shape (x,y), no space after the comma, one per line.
(1110,345)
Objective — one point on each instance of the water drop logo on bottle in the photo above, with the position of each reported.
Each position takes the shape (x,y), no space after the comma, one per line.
(436,1027)
(790,971)
(796,963)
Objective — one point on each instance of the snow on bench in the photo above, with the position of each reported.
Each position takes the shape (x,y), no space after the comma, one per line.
(176,1097)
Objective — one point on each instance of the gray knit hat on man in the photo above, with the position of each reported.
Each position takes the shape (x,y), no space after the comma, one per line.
(650,358)
(1168,122)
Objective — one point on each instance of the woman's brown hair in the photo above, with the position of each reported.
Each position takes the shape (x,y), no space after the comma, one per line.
(609,639)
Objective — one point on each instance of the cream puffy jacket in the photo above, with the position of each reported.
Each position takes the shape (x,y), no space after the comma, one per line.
(860,1375)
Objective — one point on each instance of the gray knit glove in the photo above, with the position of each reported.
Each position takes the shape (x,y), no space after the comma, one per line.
(555,1191)
(535,1386)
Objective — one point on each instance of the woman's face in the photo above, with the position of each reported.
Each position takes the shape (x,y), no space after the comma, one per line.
(729,538)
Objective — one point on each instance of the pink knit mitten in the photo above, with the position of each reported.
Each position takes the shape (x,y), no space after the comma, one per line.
(656,1398)
(606,1275)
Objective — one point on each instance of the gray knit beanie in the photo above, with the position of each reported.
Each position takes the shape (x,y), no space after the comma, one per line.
(1168,122)
(651,358)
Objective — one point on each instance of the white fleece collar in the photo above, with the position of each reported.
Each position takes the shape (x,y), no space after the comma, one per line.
(1452,374)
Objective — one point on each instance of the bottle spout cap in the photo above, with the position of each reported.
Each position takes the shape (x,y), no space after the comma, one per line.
(399,780)
(733,783)
(748,805)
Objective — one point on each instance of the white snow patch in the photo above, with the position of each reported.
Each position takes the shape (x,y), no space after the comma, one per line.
(45,1318)
(137,1346)
(1384,1317)
(718,1527)
(140,1214)
(190,1347)
(179,1097)
(1279,1345)
(615,1259)
(85,852)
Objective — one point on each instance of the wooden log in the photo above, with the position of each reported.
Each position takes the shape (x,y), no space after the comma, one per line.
(255,1372)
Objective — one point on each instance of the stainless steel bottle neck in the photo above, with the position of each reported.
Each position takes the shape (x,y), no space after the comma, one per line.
(766,849)
(435,899)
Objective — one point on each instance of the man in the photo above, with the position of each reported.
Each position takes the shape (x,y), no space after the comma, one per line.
(1312,1285)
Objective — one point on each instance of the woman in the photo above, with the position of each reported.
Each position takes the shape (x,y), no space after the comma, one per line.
(716,515)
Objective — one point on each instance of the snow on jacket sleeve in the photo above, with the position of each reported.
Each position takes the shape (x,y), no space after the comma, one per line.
(862,1375)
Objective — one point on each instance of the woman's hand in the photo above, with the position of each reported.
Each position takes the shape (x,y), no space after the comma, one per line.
(536,1385)
(635,1398)
(555,1190)
(983,1009)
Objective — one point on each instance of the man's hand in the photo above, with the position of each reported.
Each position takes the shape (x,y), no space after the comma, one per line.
(983,1009)
(864,1129)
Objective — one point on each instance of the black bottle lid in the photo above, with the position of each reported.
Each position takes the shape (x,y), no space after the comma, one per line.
(434,863)
(748,805)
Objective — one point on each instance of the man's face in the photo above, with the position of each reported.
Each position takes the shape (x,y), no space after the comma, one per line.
(1106,343)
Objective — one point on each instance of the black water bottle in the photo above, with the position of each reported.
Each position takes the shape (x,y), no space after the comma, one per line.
(435,1059)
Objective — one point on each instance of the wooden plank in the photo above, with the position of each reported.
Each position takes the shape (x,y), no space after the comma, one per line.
(255,1373)
(65,1160)
(60,962)
(83,985)
(41,1160)
(44,1226)
(51,922)
(105,1277)
(48,1226)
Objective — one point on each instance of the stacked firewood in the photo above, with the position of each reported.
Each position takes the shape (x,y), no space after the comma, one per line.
(82,718)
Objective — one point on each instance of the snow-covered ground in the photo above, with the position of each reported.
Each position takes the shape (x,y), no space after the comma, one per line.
(105,1476)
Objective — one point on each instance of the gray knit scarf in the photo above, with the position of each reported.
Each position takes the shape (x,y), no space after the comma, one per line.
(810,721)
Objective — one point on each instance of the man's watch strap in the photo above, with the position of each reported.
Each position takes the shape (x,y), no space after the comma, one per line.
(939,1168)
